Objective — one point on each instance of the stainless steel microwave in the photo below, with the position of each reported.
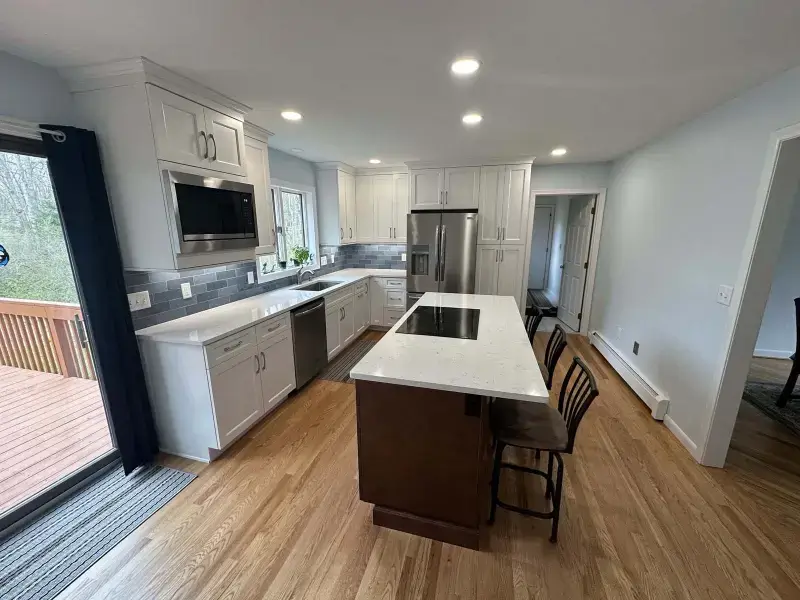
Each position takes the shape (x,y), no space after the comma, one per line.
(211,214)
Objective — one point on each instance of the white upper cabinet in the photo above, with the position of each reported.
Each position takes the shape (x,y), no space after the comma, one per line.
(515,207)
(257,162)
(365,209)
(350,206)
(225,143)
(337,207)
(189,133)
(384,202)
(490,209)
(400,183)
(179,128)
(426,189)
(461,187)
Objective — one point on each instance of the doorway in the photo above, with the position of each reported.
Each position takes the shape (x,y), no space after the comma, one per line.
(53,425)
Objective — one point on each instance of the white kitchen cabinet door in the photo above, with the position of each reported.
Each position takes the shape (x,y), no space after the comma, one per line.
(236,394)
(179,128)
(487,267)
(257,162)
(462,187)
(333,315)
(350,206)
(383,196)
(342,185)
(377,298)
(509,274)
(277,369)
(515,205)
(365,209)
(347,325)
(362,310)
(426,189)
(490,209)
(225,143)
(400,182)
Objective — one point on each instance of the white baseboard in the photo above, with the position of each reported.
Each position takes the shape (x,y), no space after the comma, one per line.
(656,401)
(682,437)
(764,353)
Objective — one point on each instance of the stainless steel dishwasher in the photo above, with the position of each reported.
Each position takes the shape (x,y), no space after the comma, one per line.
(310,341)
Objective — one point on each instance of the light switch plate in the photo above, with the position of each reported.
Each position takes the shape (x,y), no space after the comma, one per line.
(186,290)
(323,260)
(725,294)
(403,256)
(250,277)
(139,300)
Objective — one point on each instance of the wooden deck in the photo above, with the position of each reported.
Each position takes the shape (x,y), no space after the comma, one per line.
(49,426)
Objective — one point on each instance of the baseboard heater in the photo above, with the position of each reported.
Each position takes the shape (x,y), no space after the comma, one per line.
(655,400)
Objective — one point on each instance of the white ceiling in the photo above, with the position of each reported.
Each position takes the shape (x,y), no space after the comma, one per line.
(371,77)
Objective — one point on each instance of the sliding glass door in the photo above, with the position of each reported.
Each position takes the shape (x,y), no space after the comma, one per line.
(53,425)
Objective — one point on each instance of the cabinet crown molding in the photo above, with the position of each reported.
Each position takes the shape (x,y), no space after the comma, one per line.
(399,170)
(475,162)
(142,70)
(335,166)
(259,133)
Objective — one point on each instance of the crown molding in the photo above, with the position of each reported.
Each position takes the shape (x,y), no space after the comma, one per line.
(393,170)
(472,162)
(142,70)
(333,165)
(259,133)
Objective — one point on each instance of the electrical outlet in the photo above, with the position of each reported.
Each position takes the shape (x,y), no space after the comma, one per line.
(333,258)
(724,294)
(139,300)
(250,277)
(403,256)
(186,290)
(323,260)
(636,348)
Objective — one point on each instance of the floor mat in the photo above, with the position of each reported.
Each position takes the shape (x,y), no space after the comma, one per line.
(538,299)
(764,397)
(339,369)
(43,557)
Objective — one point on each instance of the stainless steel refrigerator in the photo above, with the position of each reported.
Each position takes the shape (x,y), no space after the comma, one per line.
(442,248)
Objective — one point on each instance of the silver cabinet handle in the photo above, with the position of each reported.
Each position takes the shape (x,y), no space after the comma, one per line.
(277,325)
(258,365)
(341,233)
(205,143)
(504,233)
(496,255)
(445,196)
(351,232)
(263,362)
(498,234)
(390,232)
(211,139)
(502,255)
(234,347)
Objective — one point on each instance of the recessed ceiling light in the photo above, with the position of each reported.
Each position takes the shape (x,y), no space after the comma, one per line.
(375,161)
(465,66)
(561,151)
(297,150)
(291,115)
(471,119)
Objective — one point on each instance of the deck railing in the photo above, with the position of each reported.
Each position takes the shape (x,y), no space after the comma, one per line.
(44,336)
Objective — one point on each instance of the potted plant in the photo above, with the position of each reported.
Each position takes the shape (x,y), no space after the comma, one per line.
(301,256)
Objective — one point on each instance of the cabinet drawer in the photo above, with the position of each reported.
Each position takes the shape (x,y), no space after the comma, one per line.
(271,328)
(338,295)
(395,298)
(361,287)
(231,346)
(392,316)
(389,284)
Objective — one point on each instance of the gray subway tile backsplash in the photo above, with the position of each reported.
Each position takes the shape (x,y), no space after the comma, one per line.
(216,286)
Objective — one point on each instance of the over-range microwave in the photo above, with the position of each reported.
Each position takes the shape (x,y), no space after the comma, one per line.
(211,214)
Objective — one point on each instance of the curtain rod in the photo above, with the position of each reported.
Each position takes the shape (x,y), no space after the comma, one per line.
(21,125)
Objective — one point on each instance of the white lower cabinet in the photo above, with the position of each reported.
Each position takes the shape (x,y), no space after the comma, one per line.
(362,307)
(333,315)
(277,369)
(347,326)
(236,395)
(499,270)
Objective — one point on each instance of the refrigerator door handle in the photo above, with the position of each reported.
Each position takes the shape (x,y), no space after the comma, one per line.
(443,253)
(436,256)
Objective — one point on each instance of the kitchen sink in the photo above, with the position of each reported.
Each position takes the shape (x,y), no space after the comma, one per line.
(317,286)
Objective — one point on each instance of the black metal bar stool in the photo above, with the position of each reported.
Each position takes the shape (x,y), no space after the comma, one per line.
(555,346)
(788,389)
(540,427)
(533,318)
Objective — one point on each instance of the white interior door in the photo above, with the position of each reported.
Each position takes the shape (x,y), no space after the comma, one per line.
(365,209)
(487,267)
(515,205)
(490,209)
(383,197)
(509,273)
(540,247)
(225,143)
(400,181)
(576,257)
(462,187)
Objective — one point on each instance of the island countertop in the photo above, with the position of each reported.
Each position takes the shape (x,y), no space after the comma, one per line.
(500,363)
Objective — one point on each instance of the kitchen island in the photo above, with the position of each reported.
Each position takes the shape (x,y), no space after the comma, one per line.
(422,397)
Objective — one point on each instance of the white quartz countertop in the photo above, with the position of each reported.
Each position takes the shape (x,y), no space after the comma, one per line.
(216,323)
(500,363)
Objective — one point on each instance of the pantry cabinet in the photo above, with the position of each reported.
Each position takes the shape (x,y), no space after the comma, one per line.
(499,271)
(503,206)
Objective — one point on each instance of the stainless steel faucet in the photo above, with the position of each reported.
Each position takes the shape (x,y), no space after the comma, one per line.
(304,270)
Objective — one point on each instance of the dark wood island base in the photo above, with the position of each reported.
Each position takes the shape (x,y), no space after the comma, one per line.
(424,460)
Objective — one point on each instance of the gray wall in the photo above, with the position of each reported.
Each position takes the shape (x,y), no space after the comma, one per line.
(290,168)
(564,177)
(777,337)
(33,93)
(677,216)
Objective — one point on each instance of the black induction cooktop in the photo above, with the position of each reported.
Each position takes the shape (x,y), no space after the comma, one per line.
(442,321)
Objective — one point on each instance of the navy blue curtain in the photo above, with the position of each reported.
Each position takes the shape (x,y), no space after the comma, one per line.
(80,191)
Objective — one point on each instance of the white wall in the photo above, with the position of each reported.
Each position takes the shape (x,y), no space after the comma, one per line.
(677,216)
(33,93)
(290,168)
(777,335)
(569,177)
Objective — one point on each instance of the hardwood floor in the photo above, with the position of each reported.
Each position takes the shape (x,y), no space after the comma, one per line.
(50,426)
(278,516)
